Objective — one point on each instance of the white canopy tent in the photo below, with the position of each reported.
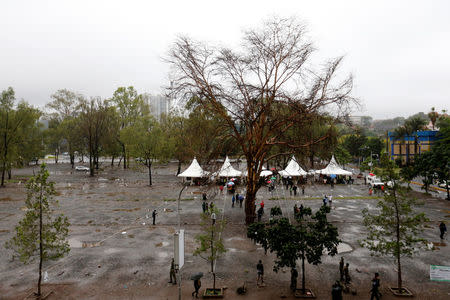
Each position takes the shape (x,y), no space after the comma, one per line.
(227,170)
(194,171)
(333,168)
(293,169)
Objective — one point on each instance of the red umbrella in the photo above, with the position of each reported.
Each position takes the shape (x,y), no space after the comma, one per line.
(371,174)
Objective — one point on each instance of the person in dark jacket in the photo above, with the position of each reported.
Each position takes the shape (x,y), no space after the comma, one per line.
(443,229)
(336,291)
(375,291)
(260,272)
(197,285)
(154,213)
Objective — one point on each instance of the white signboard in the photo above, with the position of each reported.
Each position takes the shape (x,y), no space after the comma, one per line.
(178,248)
(439,273)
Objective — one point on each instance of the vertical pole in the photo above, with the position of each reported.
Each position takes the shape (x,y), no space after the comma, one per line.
(179,228)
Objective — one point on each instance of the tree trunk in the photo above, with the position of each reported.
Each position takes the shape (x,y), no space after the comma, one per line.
(72,159)
(41,252)
(124,156)
(9,172)
(120,160)
(252,189)
(5,153)
(149,165)
(112,161)
(91,165)
(96,161)
(179,167)
(407,152)
(303,274)
(397,254)
(3,172)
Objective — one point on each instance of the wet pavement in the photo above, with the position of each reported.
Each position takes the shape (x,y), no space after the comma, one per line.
(117,253)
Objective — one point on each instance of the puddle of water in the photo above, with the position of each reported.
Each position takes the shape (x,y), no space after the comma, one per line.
(235,238)
(74,243)
(343,247)
(111,250)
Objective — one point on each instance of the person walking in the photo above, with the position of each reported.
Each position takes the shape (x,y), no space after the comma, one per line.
(232,201)
(341,268)
(303,190)
(204,206)
(154,213)
(336,291)
(443,229)
(241,199)
(221,189)
(204,197)
(197,285)
(294,188)
(294,276)
(375,292)
(260,273)
(260,213)
(172,272)
(325,200)
(347,274)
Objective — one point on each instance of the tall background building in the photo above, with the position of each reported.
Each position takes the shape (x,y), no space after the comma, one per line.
(159,104)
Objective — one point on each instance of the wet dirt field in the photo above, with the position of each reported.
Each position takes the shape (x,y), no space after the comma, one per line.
(116,253)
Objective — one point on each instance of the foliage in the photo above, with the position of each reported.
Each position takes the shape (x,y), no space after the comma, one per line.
(342,155)
(306,239)
(210,240)
(276,211)
(18,127)
(253,90)
(394,229)
(147,141)
(41,233)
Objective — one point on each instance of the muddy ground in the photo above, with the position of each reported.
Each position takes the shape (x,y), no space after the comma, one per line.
(117,254)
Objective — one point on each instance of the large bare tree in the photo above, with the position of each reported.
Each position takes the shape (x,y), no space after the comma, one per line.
(261,90)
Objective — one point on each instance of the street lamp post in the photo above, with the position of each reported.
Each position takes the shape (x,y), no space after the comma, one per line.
(213,219)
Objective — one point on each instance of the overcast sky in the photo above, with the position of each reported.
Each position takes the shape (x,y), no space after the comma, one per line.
(398,51)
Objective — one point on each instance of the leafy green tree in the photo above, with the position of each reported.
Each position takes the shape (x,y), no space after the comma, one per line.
(394,229)
(354,143)
(130,106)
(440,157)
(424,167)
(412,126)
(93,123)
(210,241)
(41,233)
(148,142)
(433,115)
(342,155)
(65,108)
(306,239)
(16,121)
(400,135)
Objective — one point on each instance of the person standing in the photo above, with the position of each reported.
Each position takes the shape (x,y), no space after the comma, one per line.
(374,292)
(241,199)
(232,200)
(204,206)
(260,273)
(303,190)
(347,274)
(294,188)
(172,272)
(341,268)
(197,285)
(336,291)
(294,276)
(221,189)
(260,213)
(443,229)
(154,213)
(204,197)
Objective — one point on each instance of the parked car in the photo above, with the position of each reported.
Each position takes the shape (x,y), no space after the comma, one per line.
(81,168)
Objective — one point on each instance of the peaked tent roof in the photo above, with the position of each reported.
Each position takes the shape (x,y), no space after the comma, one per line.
(293,169)
(333,168)
(194,170)
(227,170)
